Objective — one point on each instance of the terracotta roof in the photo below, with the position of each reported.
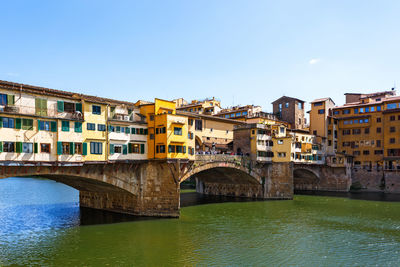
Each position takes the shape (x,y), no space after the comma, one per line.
(356,104)
(53,92)
(195,115)
(288,97)
(322,99)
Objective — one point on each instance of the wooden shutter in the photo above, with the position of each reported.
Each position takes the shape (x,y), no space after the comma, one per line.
(1,122)
(53,126)
(59,148)
(71,148)
(124,149)
(78,107)
(18,123)
(111,149)
(35,147)
(38,125)
(142,149)
(37,106)
(84,149)
(1,146)
(18,146)
(10,99)
(60,106)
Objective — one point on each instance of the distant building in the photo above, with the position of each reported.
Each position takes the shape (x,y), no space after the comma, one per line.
(291,110)
(240,112)
(208,106)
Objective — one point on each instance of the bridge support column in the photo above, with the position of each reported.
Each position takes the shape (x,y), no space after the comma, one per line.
(280,182)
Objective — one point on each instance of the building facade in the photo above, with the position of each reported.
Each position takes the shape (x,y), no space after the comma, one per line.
(290,110)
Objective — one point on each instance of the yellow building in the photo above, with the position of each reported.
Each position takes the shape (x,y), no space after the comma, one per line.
(282,143)
(367,129)
(254,140)
(95,130)
(319,118)
(167,138)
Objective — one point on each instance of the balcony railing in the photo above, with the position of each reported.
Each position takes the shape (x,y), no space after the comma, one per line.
(33,111)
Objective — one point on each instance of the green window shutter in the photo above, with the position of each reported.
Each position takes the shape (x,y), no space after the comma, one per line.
(43,107)
(127,130)
(130,148)
(146,131)
(60,106)
(38,125)
(141,148)
(59,148)
(37,106)
(10,99)
(111,149)
(1,122)
(18,123)
(35,147)
(141,130)
(18,147)
(71,148)
(109,128)
(65,126)
(53,126)
(1,146)
(84,149)
(133,130)
(78,127)
(124,149)
(78,107)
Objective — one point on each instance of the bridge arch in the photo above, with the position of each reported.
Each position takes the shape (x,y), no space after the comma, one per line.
(225,178)
(305,179)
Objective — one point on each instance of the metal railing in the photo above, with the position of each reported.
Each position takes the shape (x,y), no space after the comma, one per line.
(33,111)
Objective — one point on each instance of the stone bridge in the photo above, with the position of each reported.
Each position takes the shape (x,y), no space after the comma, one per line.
(152,188)
(319,177)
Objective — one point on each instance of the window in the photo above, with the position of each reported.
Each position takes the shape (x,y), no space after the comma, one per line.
(101,127)
(356,111)
(366,152)
(392,140)
(372,109)
(151,117)
(315,132)
(336,112)
(329,142)
(177,131)
(280,142)
(356,131)
(286,104)
(160,149)
(9,147)
(27,124)
(392,129)
(27,147)
(392,106)
(281,154)
(378,120)
(7,122)
(346,111)
(65,126)
(378,108)
(96,148)
(378,143)
(378,130)
(44,125)
(66,149)
(78,127)
(41,107)
(321,111)
(378,152)
(300,105)
(117,149)
(78,148)
(96,110)
(280,107)
(392,118)
(3,99)
(366,130)
(361,110)
(282,130)
(45,148)
(356,153)
(171,149)
(238,114)
(317,104)
(91,126)
(244,113)
(69,107)
(367,109)
(135,148)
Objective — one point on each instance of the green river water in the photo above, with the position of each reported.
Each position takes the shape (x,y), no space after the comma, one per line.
(41,224)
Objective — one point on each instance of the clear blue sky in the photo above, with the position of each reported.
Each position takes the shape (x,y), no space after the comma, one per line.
(246,52)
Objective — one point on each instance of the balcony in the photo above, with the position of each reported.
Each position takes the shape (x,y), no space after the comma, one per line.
(40,112)
(122,117)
